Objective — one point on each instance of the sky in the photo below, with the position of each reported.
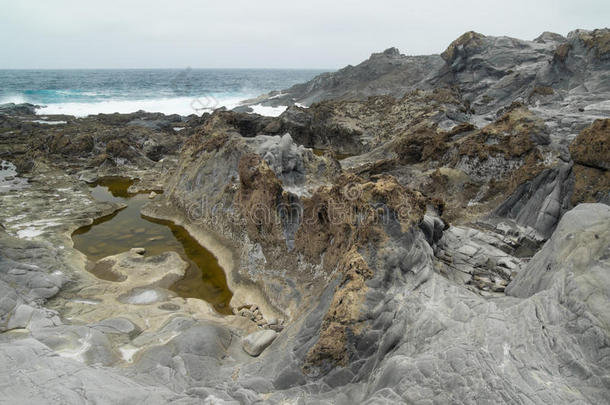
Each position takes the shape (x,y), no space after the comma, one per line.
(57,34)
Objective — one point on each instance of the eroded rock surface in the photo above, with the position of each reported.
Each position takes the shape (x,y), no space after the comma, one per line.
(446,240)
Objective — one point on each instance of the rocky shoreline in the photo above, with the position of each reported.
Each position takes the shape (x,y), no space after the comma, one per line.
(450,245)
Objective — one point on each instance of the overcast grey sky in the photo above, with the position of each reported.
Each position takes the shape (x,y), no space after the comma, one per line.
(263,33)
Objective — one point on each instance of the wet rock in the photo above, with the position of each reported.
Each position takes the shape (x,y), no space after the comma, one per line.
(243,109)
(18,109)
(134,269)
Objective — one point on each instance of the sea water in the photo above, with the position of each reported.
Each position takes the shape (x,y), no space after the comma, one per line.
(169,91)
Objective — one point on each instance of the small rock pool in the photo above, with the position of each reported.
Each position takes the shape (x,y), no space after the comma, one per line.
(127,228)
(338,156)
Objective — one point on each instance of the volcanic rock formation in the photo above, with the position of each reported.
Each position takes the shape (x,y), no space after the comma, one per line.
(414,229)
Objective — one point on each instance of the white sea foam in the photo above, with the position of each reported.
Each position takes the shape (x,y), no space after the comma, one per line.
(169,105)
(49,122)
(268,111)
(175,105)
(15,98)
(179,105)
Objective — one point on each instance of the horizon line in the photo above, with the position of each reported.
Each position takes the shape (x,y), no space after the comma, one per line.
(174,68)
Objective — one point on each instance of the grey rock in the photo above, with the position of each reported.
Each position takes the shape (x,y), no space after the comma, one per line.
(243,109)
(540,203)
(62,380)
(577,248)
(256,342)
(21,317)
(418,334)
(474,257)
(283,155)
(18,109)
(117,326)
(386,72)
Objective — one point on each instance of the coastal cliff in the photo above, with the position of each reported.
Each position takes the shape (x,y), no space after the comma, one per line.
(414,229)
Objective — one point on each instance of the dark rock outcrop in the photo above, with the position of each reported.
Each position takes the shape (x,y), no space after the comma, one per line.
(18,109)
(490,73)
(384,73)
(433,248)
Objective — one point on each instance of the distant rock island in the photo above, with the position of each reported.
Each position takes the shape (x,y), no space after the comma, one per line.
(413,229)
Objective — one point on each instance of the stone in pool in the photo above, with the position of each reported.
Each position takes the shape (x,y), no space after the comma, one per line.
(131,267)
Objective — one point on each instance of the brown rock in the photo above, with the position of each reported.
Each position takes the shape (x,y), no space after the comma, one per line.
(590,184)
(119,148)
(592,146)
(469,39)
(596,40)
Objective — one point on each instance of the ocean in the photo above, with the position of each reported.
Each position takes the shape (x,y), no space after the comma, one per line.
(169,91)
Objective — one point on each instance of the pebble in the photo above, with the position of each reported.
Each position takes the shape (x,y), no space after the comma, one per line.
(277,328)
(169,307)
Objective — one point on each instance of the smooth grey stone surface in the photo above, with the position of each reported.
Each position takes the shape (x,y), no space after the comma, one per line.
(256,342)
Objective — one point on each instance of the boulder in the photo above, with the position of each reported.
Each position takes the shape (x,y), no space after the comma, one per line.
(18,109)
(256,342)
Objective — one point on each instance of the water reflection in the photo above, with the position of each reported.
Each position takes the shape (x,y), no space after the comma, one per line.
(127,228)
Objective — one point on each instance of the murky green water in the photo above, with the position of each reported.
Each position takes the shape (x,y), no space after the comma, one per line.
(127,228)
